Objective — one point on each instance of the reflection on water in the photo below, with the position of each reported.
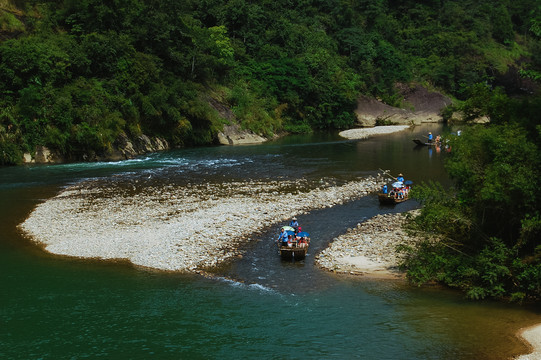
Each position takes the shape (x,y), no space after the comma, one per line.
(258,306)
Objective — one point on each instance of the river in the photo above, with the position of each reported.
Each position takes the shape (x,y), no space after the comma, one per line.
(256,307)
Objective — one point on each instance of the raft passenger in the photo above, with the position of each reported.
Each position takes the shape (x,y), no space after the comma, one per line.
(289,241)
(294,224)
(282,237)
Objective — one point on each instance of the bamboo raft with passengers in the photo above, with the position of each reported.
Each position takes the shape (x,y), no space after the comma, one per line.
(430,141)
(292,242)
(396,193)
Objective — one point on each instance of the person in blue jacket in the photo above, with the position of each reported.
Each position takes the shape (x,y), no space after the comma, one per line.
(294,224)
(282,237)
(384,189)
(400,178)
(430,137)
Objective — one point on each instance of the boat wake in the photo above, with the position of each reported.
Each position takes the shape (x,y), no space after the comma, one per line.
(253,286)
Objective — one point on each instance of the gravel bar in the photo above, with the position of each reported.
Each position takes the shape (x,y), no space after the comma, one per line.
(369,249)
(357,134)
(177,228)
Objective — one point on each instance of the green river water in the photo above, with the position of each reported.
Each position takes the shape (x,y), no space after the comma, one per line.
(257,307)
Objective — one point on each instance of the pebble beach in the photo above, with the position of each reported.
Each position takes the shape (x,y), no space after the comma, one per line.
(176,228)
(181,228)
(363,133)
(369,249)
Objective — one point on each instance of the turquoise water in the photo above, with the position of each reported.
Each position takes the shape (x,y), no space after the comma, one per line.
(257,307)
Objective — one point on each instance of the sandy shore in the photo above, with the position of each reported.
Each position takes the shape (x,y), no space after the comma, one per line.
(178,228)
(369,249)
(355,134)
(532,335)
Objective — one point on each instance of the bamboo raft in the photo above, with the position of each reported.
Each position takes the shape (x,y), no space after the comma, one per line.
(387,199)
(293,253)
(422,143)
(296,247)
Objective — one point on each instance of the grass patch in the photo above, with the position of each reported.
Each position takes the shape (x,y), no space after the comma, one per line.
(501,56)
(9,22)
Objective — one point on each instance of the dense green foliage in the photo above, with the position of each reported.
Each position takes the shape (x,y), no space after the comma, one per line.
(485,234)
(85,71)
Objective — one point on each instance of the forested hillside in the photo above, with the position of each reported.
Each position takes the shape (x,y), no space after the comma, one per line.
(75,74)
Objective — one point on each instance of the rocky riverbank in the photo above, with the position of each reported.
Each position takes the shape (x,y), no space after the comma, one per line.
(369,249)
(179,228)
(420,105)
(124,148)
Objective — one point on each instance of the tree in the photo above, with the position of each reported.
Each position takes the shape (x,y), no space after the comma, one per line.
(483,236)
(502,26)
